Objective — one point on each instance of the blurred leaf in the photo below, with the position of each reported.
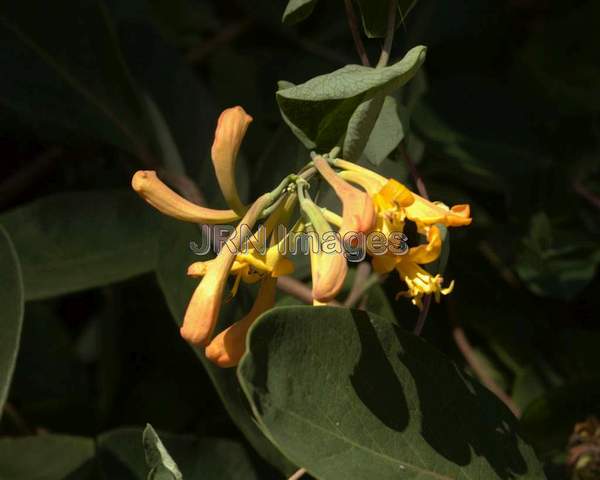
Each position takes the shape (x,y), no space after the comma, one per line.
(320,378)
(549,420)
(47,457)
(67,78)
(73,241)
(11,318)
(387,132)
(174,256)
(571,37)
(121,456)
(318,111)
(375,15)
(361,126)
(298,10)
(556,265)
(191,118)
(161,464)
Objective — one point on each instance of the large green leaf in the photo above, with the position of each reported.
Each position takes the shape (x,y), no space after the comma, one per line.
(375,15)
(318,111)
(361,126)
(73,241)
(174,256)
(47,457)
(67,78)
(119,455)
(160,462)
(11,313)
(347,394)
(298,10)
(387,132)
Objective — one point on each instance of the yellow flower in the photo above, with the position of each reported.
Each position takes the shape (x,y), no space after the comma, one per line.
(420,282)
(227,348)
(358,211)
(250,267)
(231,128)
(203,310)
(165,200)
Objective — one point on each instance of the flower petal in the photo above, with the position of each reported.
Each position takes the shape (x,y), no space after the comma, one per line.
(227,348)
(231,128)
(156,193)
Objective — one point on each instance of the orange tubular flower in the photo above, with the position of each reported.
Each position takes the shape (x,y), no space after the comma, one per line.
(203,310)
(156,193)
(231,128)
(227,348)
(358,211)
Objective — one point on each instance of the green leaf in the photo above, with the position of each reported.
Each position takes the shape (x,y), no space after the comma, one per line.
(174,256)
(556,265)
(387,132)
(318,111)
(375,15)
(161,464)
(73,241)
(347,394)
(298,10)
(360,127)
(47,457)
(119,455)
(549,420)
(70,88)
(11,318)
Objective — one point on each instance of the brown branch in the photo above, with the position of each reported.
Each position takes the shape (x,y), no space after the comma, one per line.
(29,174)
(228,34)
(587,194)
(422,316)
(299,290)
(386,49)
(465,347)
(354,28)
(420,184)
(358,287)
(297,474)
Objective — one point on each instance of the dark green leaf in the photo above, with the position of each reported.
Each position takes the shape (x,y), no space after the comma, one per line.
(174,256)
(298,10)
(347,394)
(11,316)
(73,241)
(361,126)
(47,457)
(67,78)
(549,420)
(375,15)
(319,110)
(121,456)
(387,133)
(161,464)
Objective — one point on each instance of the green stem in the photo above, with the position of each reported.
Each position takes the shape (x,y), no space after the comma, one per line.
(386,49)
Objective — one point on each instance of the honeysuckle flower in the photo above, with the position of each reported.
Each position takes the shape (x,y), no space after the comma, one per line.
(358,211)
(250,266)
(419,281)
(231,128)
(328,266)
(147,184)
(227,348)
(203,310)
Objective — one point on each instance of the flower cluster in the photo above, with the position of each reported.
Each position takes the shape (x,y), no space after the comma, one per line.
(370,203)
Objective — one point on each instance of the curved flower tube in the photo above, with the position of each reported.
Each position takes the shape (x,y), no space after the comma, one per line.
(227,348)
(358,211)
(203,310)
(231,128)
(148,186)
